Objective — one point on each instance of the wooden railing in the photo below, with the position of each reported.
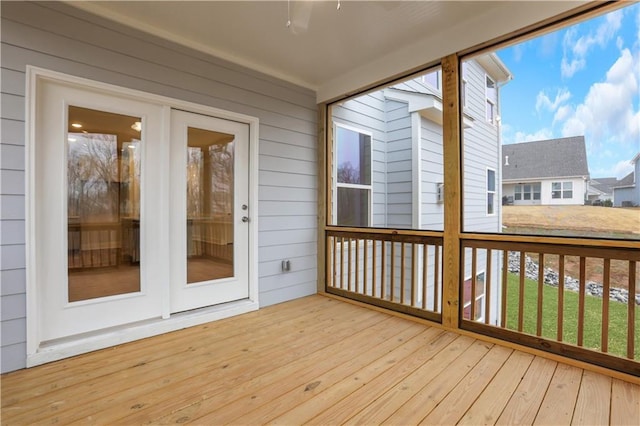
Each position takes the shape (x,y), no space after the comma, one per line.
(392,269)
(573,300)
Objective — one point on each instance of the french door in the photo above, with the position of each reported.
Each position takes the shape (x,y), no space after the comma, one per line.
(138,210)
(209,210)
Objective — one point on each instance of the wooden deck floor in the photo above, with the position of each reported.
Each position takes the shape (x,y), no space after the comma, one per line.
(315,360)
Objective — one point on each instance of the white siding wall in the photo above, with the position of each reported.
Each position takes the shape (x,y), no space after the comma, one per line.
(58,37)
(579,189)
(399,166)
(481,151)
(432,172)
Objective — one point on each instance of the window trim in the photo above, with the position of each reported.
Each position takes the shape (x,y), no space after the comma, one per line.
(563,184)
(494,192)
(335,184)
(488,101)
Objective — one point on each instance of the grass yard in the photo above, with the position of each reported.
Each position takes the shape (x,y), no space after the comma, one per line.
(583,221)
(578,221)
(593,317)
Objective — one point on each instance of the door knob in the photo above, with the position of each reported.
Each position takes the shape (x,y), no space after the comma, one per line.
(245,219)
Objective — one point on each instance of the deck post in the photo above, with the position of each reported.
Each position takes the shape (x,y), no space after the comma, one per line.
(451,139)
(322,146)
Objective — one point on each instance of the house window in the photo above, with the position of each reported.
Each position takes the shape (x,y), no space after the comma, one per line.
(536,191)
(491,191)
(492,99)
(527,192)
(562,190)
(353,176)
(432,79)
(478,299)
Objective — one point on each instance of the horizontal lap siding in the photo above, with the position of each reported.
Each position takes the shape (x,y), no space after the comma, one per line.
(481,150)
(61,38)
(432,172)
(399,166)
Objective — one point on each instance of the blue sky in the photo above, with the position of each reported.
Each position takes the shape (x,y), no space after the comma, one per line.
(581,80)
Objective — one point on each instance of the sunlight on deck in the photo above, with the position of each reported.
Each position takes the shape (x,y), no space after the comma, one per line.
(314,360)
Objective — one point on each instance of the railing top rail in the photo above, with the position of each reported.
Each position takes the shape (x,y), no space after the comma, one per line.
(630,254)
(380,233)
(558,241)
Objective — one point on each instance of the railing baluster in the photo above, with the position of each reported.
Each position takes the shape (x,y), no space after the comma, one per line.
(342,262)
(413,274)
(487,288)
(425,260)
(606,284)
(374,269)
(631,311)
(383,266)
(503,299)
(436,279)
(402,273)
(349,264)
(357,277)
(365,249)
(540,294)
(581,296)
(560,296)
(521,291)
(393,271)
(474,270)
(329,260)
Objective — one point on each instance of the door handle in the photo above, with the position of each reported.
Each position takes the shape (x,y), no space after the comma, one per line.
(245,219)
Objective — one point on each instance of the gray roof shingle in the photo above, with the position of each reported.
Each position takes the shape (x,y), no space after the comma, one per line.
(625,181)
(564,157)
(604,184)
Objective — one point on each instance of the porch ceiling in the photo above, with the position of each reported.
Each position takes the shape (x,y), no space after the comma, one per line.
(331,51)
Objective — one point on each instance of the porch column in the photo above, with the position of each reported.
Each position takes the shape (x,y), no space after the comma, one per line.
(451,139)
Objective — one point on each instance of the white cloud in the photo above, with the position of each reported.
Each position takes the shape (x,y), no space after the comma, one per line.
(576,48)
(607,112)
(539,135)
(562,113)
(618,170)
(543,101)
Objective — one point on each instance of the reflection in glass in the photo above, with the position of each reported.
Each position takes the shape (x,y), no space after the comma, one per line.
(210,189)
(354,156)
(103,204)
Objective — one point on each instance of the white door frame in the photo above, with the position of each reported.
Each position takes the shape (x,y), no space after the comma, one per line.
(37,353)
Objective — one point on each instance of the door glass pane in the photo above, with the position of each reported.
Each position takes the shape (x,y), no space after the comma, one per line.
(103,203)
(210,189)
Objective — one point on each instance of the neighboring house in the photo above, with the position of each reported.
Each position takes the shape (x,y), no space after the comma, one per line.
(601,189)
(626,192)
(548,172)
(389,158)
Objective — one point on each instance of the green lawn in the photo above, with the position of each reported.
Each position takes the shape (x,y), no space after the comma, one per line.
(592,320)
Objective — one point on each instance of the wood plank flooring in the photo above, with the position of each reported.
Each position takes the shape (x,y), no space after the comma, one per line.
(315,360)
